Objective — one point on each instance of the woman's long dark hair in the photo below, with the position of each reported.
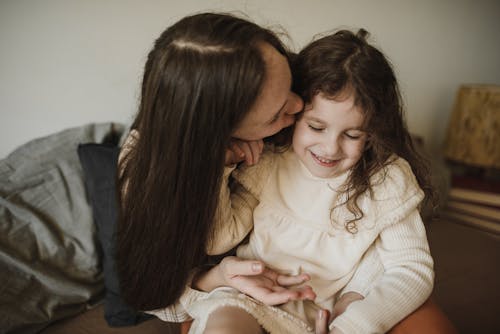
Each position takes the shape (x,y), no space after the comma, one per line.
(342,64)
(200,80)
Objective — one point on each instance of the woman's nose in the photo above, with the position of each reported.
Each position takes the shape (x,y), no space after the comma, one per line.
(296,104)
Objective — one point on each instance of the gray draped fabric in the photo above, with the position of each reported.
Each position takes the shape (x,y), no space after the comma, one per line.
(49,256)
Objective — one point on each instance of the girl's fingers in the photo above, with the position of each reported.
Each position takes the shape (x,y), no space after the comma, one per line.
(287,280)
(321,322)
(270,297)
(306,293)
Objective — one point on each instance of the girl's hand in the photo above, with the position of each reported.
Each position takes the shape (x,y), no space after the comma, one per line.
(322,320)
(345,300)
(323,317)
(240,150)
(254,279)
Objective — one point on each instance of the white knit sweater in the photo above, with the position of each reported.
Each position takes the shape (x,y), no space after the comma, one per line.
(295,231)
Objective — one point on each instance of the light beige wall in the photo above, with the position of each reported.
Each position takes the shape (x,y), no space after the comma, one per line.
(65,63)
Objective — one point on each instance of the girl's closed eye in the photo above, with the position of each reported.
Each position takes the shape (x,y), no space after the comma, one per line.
(316,128)
(354,135)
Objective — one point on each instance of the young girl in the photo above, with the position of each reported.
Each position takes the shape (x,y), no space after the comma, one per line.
(341,204)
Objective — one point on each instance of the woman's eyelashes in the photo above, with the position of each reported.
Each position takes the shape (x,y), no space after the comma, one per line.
(275,118)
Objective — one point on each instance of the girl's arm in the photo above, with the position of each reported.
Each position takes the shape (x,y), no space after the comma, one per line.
(369,270)
(406,283)
(402,247)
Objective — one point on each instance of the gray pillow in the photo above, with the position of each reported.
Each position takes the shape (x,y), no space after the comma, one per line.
(99,163)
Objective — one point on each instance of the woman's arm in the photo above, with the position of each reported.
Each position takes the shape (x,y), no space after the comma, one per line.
(248,276)
(234,216)
(255,280)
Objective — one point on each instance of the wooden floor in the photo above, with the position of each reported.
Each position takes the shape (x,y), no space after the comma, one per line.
(467,265)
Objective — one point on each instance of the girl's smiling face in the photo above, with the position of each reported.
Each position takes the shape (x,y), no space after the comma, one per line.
(328,137)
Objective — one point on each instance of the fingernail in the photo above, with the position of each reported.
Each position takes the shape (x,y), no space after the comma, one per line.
(256,267)
(321,314)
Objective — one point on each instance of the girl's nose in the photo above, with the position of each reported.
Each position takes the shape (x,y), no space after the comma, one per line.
(331,146)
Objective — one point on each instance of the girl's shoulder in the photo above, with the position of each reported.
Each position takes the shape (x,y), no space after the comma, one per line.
(395,192)
(395,186)
(396,175)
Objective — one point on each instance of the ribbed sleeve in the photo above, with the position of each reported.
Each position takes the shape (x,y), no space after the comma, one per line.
(403,250)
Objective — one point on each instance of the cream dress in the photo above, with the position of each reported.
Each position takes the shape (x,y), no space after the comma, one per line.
(295,231)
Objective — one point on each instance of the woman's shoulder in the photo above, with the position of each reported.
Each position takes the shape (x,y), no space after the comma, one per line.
(127,146)
(129,142)
(255,176)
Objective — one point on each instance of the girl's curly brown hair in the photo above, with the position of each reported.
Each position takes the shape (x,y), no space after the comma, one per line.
(344,64)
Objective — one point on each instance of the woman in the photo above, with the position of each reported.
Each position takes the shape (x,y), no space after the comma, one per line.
(214,86)
(211,82)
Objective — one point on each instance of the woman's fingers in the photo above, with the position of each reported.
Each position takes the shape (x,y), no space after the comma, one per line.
(234,266)
(261,145)
(234,154)
(240,150)
(246,148)
(256,147)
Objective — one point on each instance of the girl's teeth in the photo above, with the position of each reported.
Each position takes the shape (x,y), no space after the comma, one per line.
(323,160)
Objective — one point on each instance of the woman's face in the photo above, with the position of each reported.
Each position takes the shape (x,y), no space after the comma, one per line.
(276,105)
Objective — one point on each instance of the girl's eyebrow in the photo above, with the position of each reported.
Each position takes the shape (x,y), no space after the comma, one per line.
(319,121)
(314,119)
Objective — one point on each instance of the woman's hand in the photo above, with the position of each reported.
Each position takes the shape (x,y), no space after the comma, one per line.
(323,317)
(240,150)
(254,279)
